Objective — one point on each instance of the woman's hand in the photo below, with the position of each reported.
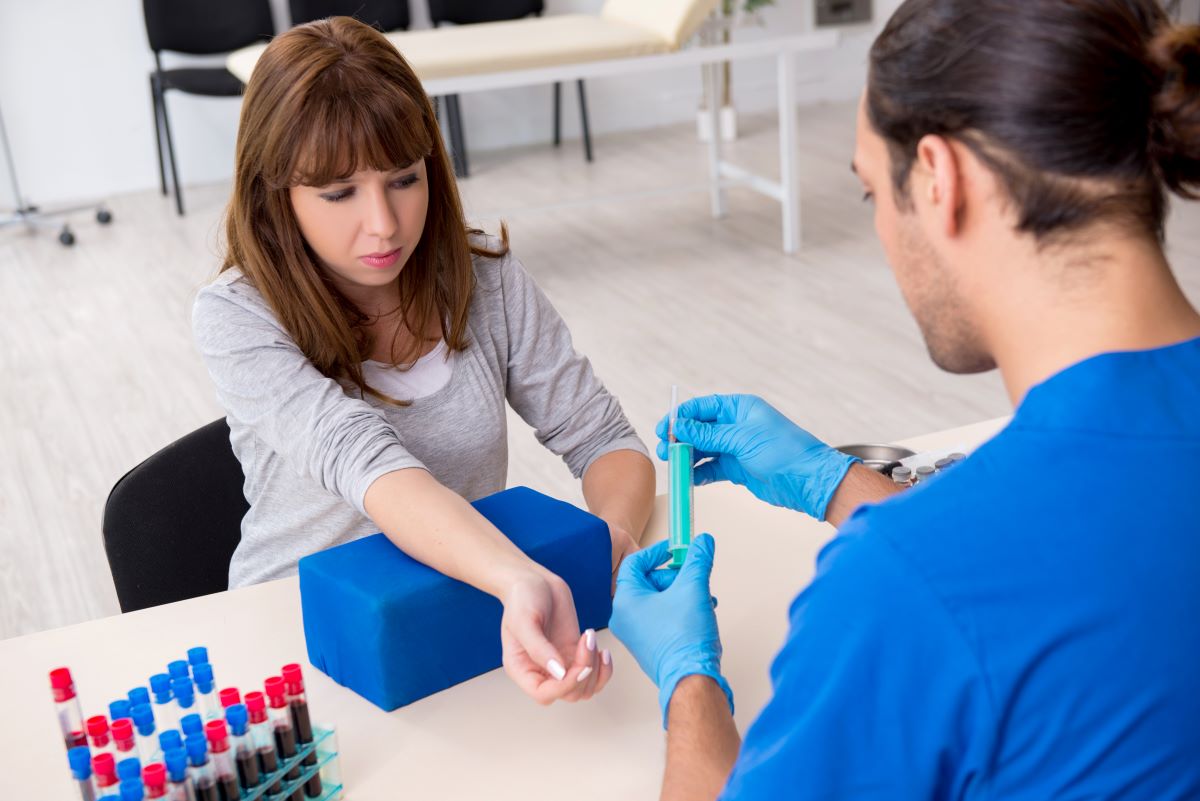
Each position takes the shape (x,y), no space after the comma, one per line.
(538,631)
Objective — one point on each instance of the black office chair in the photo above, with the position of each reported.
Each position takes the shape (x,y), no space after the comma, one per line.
(197,28)
(385,15)
(467,12)
(171,524)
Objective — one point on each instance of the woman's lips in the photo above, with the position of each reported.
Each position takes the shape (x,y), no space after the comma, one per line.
(381,261)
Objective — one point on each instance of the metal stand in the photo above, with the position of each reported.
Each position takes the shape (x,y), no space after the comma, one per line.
(31,216)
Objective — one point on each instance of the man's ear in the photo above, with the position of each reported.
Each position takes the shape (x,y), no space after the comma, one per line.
(939,191)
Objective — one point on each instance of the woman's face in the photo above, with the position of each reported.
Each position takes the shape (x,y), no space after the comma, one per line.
(364,228)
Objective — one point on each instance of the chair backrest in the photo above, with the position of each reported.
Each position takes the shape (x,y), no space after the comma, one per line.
(386,15)
(171,524)
(673,20)
(204,27)
(468,12)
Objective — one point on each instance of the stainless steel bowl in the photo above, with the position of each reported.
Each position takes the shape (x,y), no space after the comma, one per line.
(881,458)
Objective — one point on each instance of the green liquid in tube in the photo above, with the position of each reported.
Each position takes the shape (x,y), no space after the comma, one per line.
(679,500)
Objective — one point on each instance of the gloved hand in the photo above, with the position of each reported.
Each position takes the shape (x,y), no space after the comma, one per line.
(666,619)
(752,444)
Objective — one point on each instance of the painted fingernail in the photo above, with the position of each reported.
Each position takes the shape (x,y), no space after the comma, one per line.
(583,674)
(589,639)
(606,657)
(556,669)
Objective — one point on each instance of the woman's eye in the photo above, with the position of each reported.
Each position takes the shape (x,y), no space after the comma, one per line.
(405,182)
(334,197)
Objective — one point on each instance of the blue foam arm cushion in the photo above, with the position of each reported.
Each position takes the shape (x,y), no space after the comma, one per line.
(394,630)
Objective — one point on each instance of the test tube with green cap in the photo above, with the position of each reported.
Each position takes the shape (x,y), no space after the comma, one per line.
(679,489)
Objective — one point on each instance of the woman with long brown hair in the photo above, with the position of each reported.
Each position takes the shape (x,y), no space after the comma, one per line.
(364,343)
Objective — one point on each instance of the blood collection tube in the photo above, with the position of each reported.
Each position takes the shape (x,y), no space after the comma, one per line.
(179,783)
(228,697)
(98,735)
(191,725)
(119,709)
(197,655)
(129,768)
(66,705)
(224,766)
(902,475)
(80,759)
(680,458)
(924,473)
(202,675)
(170,739)
(164,710)
(281,724)
(293,680)
(185,696)
(262,739)
(147,742)
(124,739)
(943,463)
(244,754)
(956,457)
(204,778)
(132,789)
(179,669)
(104,774)
(154,776)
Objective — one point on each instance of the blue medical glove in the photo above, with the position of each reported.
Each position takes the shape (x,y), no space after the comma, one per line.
(666,618)
(752,444)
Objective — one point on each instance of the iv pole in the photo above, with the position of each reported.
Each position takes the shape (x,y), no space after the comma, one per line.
(33,217)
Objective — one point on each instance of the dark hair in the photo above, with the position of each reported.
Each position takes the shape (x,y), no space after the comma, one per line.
(1085,109)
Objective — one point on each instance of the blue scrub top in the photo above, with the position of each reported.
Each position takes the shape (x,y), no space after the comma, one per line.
(1025,625)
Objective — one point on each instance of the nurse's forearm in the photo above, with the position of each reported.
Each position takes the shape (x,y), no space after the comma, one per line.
(860,485)
(437,527)
(702,741)
(619,489)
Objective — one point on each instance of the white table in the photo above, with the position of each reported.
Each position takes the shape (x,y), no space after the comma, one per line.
(481,739)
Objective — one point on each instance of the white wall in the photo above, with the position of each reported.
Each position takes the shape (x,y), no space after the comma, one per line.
(75,96)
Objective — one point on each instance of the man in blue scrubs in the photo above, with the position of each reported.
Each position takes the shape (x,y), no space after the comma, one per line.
(1025,625)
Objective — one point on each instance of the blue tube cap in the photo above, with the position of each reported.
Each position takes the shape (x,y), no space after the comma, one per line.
(130,768)
(160,684)
(176,761)
(183,690)
(203,675)
(139,695)
(191,724)
(197,750)
(197,655)
(143,718)
(119,709)
(179,669)
(236,716)
(132,790)
(169,739)
(80,759)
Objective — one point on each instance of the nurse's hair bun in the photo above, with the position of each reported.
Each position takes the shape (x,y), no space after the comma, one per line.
(1174,56)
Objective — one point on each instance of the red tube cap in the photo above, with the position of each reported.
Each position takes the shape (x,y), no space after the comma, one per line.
(216,730)
(229,696)
(104,763)
(97,726)
(255,702)
(62,684)
(275,690)
(293,677)
(122,729)
(154,774)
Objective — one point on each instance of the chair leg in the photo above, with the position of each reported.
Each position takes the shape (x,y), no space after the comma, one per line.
(557,113)
(458,141)
(583,117)
(162,103)
(162,170)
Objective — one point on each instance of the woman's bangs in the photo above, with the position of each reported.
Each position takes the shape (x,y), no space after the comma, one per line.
(344,132)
